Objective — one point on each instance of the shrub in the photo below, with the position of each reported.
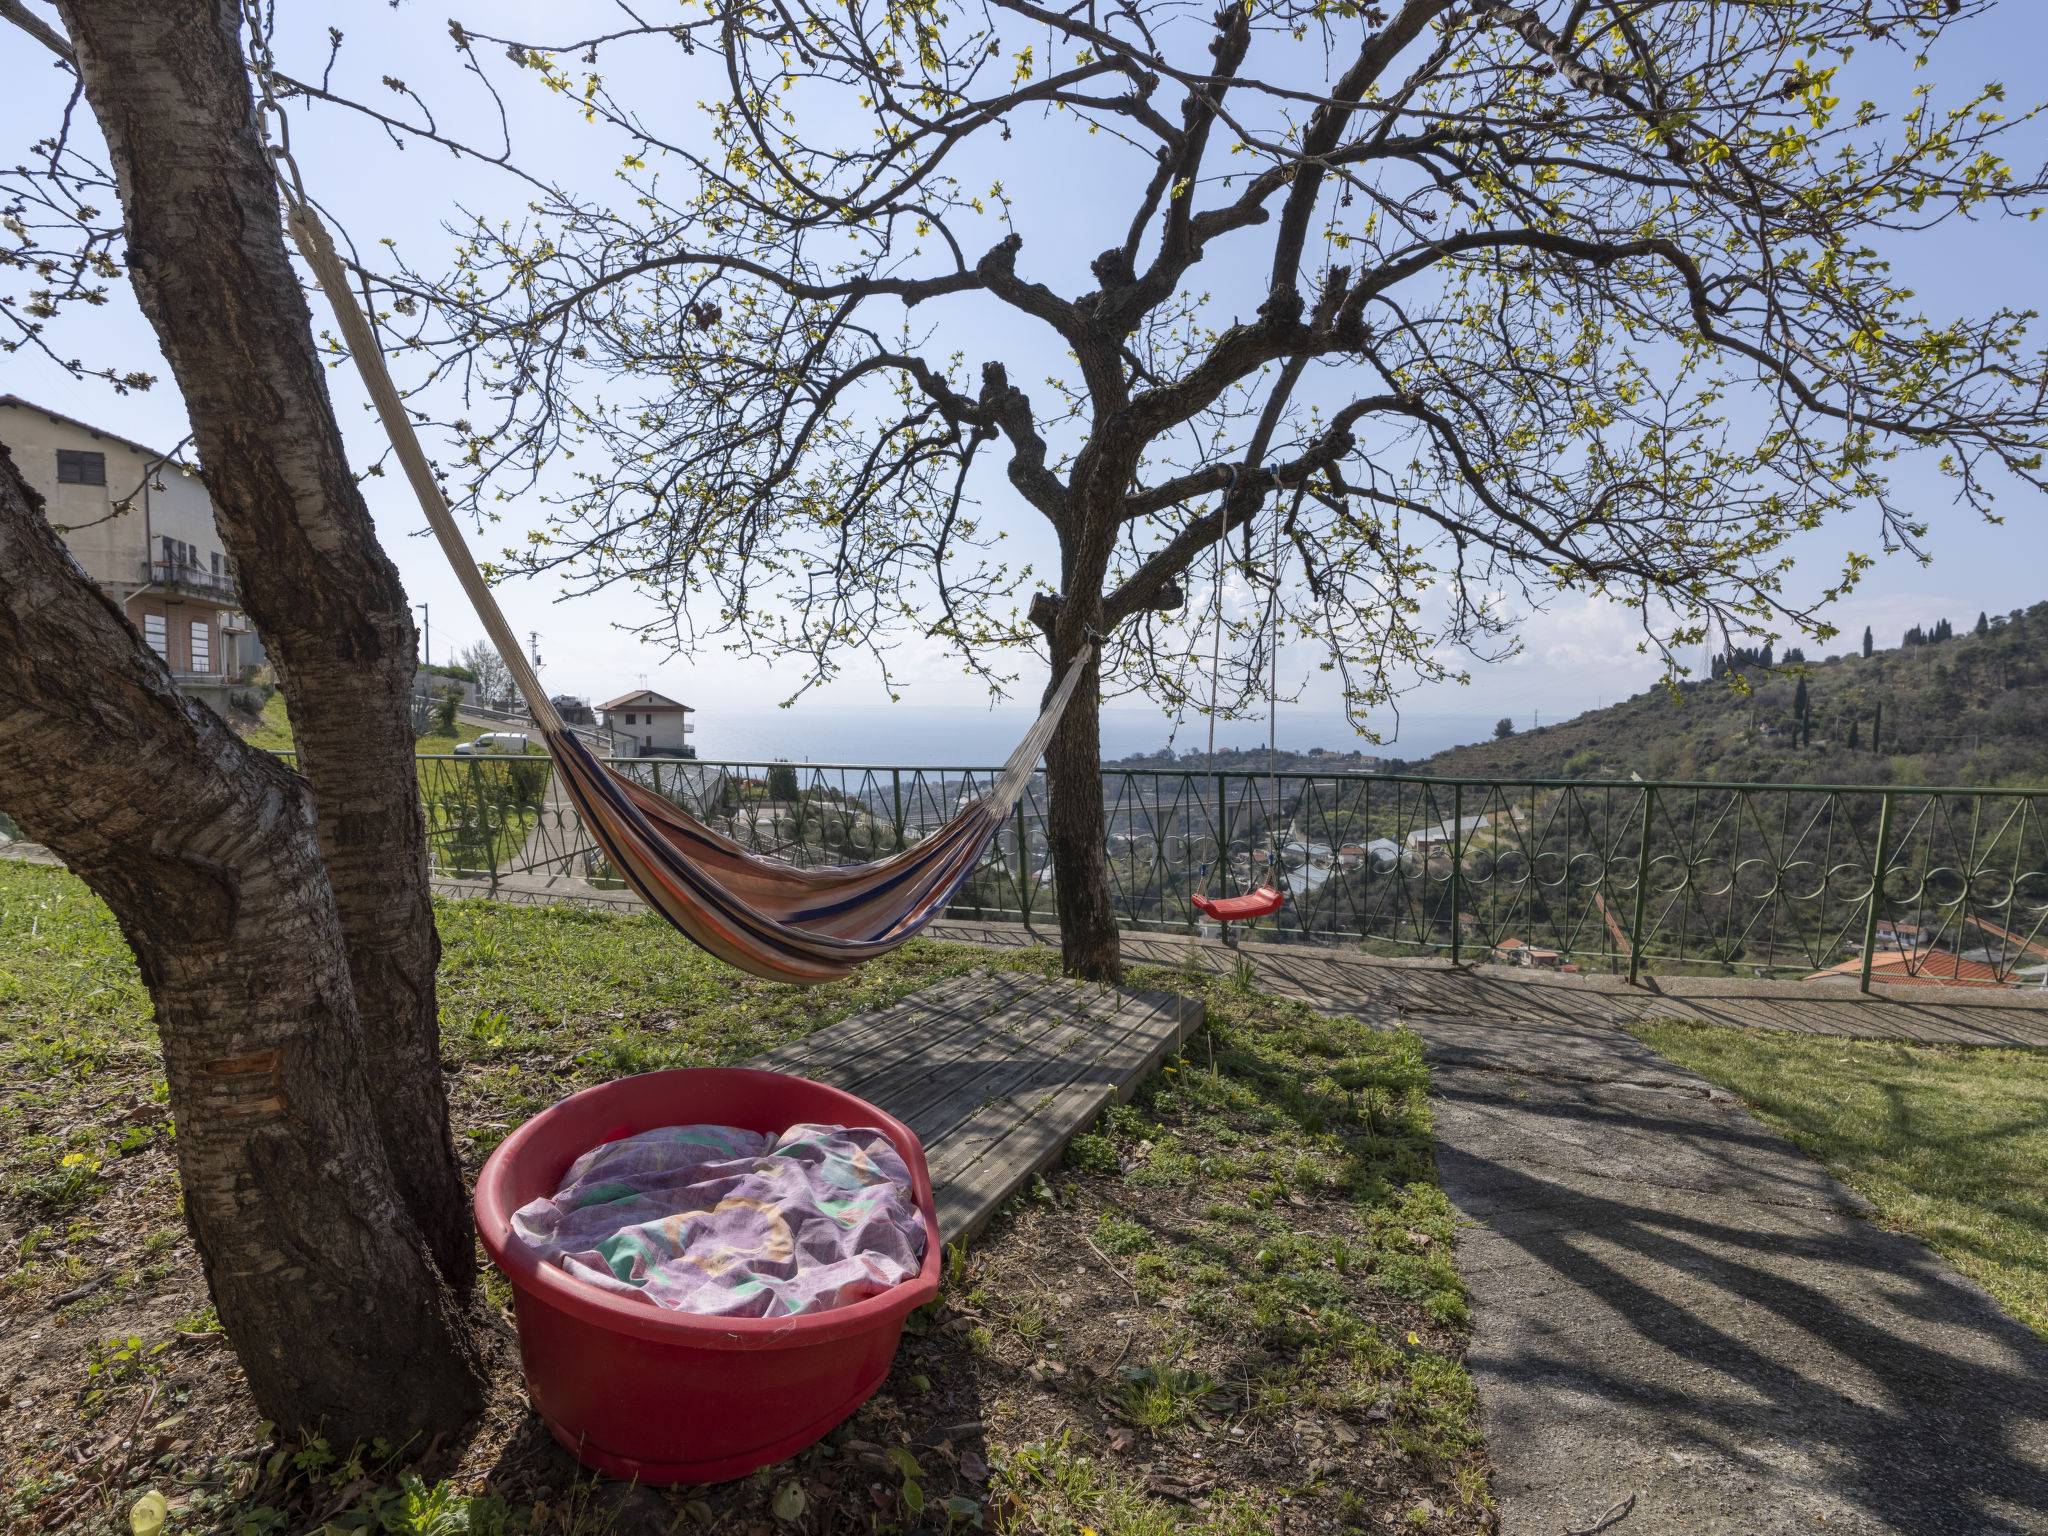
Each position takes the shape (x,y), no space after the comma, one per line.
(1097,1154)
(527,780)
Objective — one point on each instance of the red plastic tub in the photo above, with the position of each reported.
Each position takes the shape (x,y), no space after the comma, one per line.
(669,1397)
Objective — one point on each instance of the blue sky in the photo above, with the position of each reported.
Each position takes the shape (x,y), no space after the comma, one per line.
(1575,654)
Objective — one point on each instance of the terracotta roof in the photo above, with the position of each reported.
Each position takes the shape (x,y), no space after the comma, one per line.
(1929,968)
(646,698)
(72,421)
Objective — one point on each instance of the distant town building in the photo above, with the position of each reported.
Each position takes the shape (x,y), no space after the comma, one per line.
(648,724)
(140,524)
(1438,838)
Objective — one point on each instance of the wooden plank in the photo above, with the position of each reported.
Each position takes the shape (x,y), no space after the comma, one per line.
(867,1042)
(995,1074)
(934,1006)
(1075,1050)
(1019,1041)
(991,1156)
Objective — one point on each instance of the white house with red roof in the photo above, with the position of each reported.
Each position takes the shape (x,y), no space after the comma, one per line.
(653,723)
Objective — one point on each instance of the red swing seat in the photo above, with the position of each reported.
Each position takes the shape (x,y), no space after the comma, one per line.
(1231,909)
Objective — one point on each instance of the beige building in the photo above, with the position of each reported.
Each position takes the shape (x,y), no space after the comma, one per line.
(140,524)
(645,723)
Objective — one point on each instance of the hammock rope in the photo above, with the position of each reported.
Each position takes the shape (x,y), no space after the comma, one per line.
(763,916)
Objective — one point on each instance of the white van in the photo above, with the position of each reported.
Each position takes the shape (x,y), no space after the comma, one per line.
(507,743)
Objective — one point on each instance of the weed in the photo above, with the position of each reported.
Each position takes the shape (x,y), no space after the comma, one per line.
(71,1184)
(112,1364)
(1027,1321)
(1069,1494)
(1115,1235)
(1244,975)
(1095,1154)
(488,1028)
(956,1267)
(1162,1397)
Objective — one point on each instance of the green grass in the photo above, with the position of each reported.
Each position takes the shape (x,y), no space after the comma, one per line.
(1292,1220)
(1289,1193)
(535,1002)
(275,734)
(1949,1143)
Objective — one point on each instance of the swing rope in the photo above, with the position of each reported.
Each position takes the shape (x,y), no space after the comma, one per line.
(1268,897)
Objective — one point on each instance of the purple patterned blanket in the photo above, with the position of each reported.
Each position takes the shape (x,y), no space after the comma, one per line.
(733,1223)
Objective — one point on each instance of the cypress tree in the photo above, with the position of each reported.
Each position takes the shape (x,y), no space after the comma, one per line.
(1866,640)
(1853,743)
(1983,624)
(1799,700)
(1876,724)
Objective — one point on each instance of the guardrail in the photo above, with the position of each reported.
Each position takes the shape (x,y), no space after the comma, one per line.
(1693,878)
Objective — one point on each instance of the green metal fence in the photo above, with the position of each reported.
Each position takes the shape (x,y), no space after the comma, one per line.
(1616,875)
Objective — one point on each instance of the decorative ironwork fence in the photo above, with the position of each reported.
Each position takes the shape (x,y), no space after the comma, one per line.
(1620,875)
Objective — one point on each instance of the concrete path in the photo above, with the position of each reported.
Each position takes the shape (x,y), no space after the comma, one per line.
(1672,1304)
(1681,1323)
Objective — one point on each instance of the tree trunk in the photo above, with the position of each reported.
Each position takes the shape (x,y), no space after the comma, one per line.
(167,82)
(1090,947)
(205,850)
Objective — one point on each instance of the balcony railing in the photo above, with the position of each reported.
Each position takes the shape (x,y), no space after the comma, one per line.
(195,579)
(1623,876)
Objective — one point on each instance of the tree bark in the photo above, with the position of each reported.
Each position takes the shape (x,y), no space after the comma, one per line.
(206,851)
(1075,827)
(167,82)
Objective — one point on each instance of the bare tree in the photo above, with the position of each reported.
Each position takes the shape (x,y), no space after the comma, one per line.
(493,677)
(319,1172)
(1574,295)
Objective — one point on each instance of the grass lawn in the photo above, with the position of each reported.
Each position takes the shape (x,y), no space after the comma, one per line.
(1950,1143)
(1232,1311)
(275,734)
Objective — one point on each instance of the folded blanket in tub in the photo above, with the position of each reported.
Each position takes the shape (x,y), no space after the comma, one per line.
(731,1223)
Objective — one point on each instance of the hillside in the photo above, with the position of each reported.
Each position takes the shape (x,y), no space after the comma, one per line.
(1971,709)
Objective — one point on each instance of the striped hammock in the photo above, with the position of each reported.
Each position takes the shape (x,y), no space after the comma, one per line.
(770,917)
(762,915)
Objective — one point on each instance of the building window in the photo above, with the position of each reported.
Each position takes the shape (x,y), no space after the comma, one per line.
(76,467)
(157,633)
(202,647)
(630,720)
(216,562)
